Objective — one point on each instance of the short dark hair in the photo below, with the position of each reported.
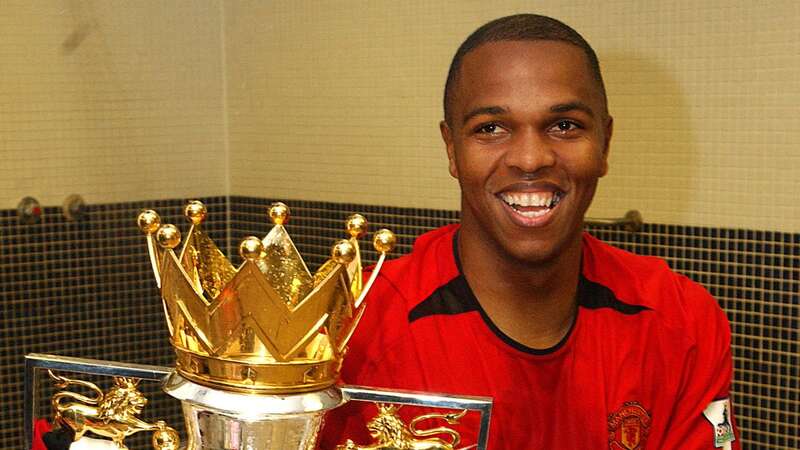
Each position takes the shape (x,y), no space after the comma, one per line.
(520,27)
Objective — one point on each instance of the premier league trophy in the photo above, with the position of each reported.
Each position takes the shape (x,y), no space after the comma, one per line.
(259,348)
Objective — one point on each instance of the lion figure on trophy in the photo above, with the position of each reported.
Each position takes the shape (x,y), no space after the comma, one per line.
(391,433)
(111,414)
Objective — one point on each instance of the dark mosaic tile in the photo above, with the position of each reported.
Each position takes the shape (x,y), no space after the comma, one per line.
(85,289)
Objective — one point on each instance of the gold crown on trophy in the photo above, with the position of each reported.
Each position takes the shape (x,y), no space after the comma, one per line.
(270,325)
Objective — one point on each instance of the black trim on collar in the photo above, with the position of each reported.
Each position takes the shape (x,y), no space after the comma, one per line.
(453,297)
(456,297)
(593,295)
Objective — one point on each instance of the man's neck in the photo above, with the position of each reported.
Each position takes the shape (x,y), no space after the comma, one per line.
(533,303)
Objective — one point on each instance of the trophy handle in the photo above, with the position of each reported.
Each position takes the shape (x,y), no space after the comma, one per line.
(483,405)
(126,377)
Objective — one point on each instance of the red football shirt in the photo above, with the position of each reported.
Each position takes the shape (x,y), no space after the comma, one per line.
(646,364)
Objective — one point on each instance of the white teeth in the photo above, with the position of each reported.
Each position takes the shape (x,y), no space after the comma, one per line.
(528,199)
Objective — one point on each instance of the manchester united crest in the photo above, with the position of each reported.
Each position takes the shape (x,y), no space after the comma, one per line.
(628,427)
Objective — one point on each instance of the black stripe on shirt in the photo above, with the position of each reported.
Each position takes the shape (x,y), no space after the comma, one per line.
(456,297)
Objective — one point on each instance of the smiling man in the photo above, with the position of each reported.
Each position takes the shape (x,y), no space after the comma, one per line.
(581,345)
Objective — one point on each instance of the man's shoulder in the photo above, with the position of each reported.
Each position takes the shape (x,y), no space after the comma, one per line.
(430,264)
(649,282)
(400,285)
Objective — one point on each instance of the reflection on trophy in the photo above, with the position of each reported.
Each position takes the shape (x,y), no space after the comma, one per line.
(259,349)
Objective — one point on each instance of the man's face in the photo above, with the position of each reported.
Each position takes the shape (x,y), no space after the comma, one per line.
(527,143)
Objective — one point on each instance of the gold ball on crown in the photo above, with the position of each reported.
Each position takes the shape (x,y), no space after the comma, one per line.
(196,212)
(168,236)
(279,213)
(251,248)
(343,252)
(356,225)
(148,221)
(384,240)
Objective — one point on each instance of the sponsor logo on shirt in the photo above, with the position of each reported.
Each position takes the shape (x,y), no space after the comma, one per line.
(628,427)
(718,415)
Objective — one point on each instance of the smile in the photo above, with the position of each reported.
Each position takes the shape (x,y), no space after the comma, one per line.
(531,204)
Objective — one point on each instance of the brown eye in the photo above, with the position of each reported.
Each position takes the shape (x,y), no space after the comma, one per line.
(565,125)
(489,128)
(489,132)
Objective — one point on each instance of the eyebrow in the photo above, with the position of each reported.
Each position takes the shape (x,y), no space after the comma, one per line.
(559,108)
(490,110)
(572,106)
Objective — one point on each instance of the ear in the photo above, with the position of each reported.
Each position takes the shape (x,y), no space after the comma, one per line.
(609,130)
(447,137)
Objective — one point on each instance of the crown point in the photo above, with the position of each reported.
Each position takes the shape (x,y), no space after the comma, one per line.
(384,240)
(279,213)
(344,252)
(148,221)
(168,236)
(356,225)
(195,211)
(251,248)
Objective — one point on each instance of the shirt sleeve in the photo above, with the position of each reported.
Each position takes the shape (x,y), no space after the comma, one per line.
(703,416)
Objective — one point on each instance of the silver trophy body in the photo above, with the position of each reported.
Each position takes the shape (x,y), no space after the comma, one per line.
(219,420)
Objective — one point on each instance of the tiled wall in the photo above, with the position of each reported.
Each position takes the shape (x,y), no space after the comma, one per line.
(112,100)
(82,289)
(340,101)
(86,289)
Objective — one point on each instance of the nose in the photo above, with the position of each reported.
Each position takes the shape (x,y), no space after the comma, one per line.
(529,152)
